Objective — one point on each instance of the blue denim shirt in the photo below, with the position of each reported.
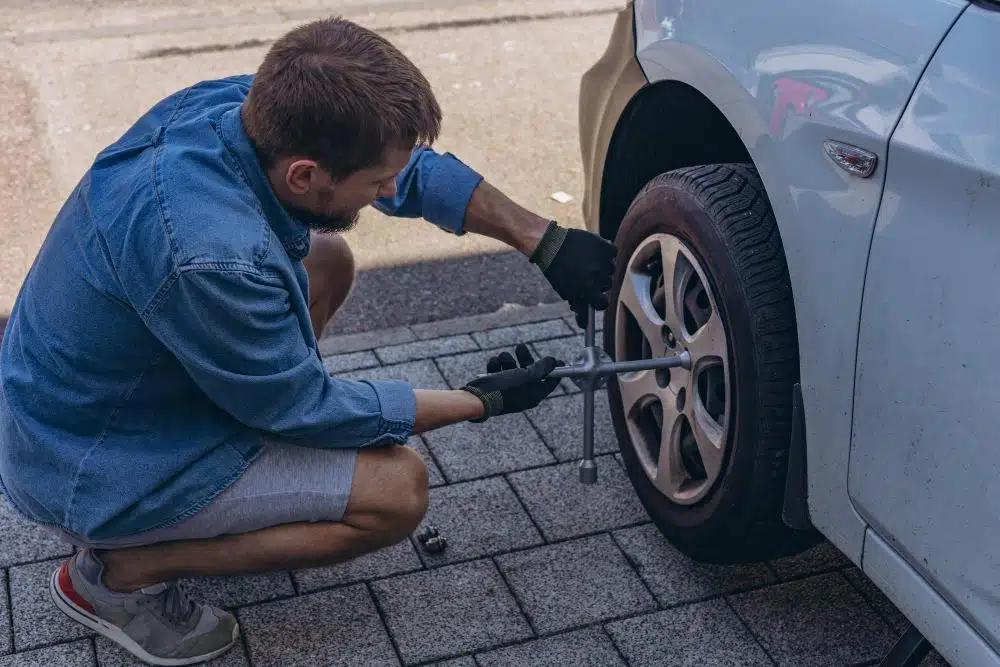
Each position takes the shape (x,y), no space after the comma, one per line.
(164,327)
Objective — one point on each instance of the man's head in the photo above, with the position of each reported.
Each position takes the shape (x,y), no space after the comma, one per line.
(334,112)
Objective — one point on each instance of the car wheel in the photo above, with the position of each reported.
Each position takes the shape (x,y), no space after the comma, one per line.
(701,268)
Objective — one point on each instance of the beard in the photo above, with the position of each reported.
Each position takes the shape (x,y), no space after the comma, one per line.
(329,224)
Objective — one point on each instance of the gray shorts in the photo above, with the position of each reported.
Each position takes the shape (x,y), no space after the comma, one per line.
(284,484)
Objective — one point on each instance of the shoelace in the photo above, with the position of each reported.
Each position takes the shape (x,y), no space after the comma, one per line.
(175,604)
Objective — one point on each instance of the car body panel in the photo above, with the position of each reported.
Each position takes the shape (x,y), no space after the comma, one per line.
(787,82)
(605,90)
(925,465)
(954,639)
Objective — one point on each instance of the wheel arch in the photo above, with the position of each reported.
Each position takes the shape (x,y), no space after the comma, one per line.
(667,125)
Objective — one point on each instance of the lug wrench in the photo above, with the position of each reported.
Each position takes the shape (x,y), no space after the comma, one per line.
(590,370)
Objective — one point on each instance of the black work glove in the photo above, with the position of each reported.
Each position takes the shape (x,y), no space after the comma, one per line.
(579,265)
(508,389)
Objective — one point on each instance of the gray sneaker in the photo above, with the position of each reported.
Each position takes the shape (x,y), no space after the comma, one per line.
(159,625)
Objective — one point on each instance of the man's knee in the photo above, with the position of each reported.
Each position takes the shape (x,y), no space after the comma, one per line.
(412,499)
(390,491)
(330,266)
(330,260)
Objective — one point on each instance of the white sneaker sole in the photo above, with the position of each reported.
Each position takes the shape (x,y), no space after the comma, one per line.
(115,634)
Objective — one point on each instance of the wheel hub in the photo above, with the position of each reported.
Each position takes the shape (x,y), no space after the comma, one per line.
(677,419)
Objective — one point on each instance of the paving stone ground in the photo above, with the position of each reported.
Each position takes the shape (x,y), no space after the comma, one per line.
(540,570)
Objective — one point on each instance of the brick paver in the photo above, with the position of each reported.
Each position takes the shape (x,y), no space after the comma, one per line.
(397,559)
(822,620)
(523,333)
(233,592)
(74,654)
(698,634)
(559,421)
(590,647)
(540,569)
(675,579)
(821,558)
(36,620)
(22,542)
(335,628)
(567,350)
(343,363)
(478,518)
(110,654)
(434,476)
(564,508)
(423,374)
(426,349)
(503,444)
(450,610)
(573,584)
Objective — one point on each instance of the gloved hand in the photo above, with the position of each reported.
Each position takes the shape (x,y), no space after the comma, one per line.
(509,389)
(579,265)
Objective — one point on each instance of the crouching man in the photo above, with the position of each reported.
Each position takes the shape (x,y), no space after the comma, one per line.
(163,404)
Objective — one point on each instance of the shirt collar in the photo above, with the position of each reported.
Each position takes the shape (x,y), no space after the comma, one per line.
(293,233)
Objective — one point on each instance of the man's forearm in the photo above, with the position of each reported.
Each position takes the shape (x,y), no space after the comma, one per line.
(437,408)
(491,213)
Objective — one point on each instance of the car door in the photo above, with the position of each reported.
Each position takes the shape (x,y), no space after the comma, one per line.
(925,456)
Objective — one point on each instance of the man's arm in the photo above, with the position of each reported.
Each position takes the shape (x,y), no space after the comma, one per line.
(234,333)
(444,191)
(437,408)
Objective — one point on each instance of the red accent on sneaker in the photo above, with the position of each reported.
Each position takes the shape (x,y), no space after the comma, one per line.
(65,583)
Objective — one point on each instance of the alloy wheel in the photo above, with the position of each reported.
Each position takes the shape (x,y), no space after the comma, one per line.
(677,418)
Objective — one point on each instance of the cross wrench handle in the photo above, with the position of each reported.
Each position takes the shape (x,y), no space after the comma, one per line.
(588,467)
(617,367)
(590,369)
(600,368)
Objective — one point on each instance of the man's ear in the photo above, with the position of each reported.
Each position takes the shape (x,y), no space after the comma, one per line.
(300,174)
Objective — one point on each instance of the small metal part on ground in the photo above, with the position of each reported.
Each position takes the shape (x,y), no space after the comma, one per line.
(427,533)
(436,545)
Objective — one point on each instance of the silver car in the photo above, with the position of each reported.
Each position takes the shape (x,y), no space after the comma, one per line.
(806,197)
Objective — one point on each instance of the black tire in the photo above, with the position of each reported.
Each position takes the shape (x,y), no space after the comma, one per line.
(723,214)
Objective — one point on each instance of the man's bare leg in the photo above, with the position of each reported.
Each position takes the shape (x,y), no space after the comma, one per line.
(388,500)
(330,265)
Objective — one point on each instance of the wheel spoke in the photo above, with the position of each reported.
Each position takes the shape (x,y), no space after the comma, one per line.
(635,386)
(635,296)
(709,341)
(670,474)
(709,436)
(674,276)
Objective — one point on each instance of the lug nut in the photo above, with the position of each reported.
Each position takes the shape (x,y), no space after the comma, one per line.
(429,532)
(668,337)
(436,545)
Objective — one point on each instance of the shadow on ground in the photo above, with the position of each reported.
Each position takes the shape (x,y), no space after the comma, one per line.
(441,289)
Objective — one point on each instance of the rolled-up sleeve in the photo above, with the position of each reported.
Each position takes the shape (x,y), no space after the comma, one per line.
(434,186)
(235,333)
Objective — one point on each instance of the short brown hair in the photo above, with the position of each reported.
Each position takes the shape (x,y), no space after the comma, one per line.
(340,94)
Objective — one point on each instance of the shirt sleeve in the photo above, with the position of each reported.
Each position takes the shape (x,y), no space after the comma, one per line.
(236,334)
(434,186)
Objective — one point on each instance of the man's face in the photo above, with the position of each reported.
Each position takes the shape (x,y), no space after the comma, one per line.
(326,205)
